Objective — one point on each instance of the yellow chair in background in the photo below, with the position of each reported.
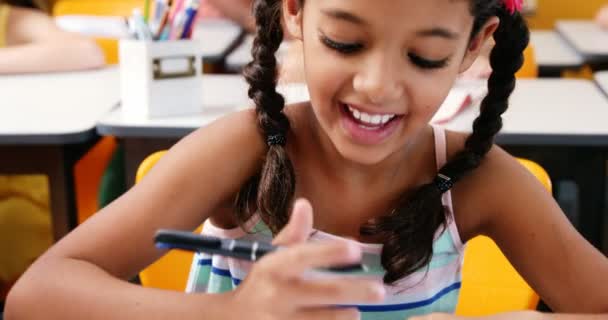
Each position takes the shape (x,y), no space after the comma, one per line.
(530,67)
(490,284)
(122,8)
(171,271)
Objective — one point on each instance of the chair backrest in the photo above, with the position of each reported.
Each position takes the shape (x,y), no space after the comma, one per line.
(171,271)
(490,284)
(530,67)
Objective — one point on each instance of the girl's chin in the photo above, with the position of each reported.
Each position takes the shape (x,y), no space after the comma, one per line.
(363,155)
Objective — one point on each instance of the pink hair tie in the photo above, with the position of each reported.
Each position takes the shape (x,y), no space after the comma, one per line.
(513,5)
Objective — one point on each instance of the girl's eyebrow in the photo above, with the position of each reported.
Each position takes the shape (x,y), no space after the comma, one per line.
(344,15)
(438,32)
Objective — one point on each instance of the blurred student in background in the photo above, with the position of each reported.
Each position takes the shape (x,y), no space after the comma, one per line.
(31,42)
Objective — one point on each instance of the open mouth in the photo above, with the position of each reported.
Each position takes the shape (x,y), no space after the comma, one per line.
(366,127)
(369,121)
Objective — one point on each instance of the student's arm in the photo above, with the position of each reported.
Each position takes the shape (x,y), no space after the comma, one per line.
(238,10)
(78,278)
(36,44)
(602,17)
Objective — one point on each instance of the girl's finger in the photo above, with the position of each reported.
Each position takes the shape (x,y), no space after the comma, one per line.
(329,314)
(294,261)
(299,226)
(335,291)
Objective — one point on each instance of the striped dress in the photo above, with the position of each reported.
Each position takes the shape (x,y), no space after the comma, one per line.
(434,288)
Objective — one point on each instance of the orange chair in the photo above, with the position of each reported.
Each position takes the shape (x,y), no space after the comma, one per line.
(171,271)
(88,173)
(490,284)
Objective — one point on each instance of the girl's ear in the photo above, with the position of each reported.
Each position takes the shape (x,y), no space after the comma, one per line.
(478,42)
(292,17)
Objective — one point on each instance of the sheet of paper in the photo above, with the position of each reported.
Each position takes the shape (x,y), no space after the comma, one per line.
(463,95)
(94,26)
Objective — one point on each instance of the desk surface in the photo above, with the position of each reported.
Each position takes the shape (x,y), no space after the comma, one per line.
(222,94)
(542,112)
(587,38)
(55,108)
(217,36)
(241,56)
(601,78)
(550,112)
(552,51)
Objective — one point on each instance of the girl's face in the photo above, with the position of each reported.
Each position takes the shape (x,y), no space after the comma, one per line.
(378,70)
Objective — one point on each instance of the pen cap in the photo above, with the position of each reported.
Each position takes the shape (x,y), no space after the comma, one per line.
(160,79)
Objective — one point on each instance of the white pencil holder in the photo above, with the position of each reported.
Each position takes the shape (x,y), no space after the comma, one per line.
(160,78)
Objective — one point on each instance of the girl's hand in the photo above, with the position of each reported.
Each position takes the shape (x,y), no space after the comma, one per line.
(519,315)
(276,289)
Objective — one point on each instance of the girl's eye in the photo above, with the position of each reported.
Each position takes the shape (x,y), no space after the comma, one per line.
(344,48)
(427,64)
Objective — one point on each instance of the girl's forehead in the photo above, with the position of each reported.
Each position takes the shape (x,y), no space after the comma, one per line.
(450,13)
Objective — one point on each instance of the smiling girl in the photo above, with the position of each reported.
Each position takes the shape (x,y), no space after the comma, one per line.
(387,188)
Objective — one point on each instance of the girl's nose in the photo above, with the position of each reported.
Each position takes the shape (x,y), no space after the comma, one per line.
(379,80)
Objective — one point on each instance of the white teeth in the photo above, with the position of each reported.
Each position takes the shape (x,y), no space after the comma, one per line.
(370,119)
(376,119)
(366,117)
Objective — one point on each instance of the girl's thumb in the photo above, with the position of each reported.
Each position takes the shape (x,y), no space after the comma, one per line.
(299,226)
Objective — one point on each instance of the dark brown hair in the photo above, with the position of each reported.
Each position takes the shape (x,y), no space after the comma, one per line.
(409,230)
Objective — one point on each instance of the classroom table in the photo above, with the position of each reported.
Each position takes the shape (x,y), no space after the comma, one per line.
(561,124)
(553,54)
(558,123)
(47,122)
(219,37)
(601,79)
(588,39)
(140,137)
(241,55)
(238,58)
